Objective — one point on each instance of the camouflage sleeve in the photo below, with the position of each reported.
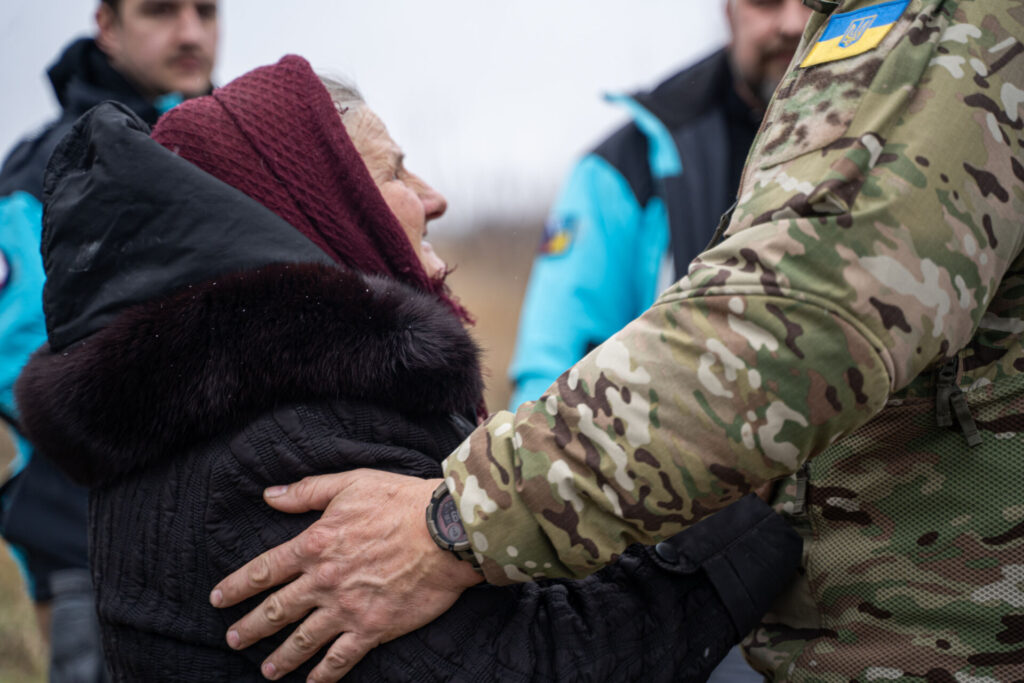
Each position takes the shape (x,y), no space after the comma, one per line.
(879,209)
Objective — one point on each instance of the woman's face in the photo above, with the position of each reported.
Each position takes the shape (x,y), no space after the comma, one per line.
(412,201)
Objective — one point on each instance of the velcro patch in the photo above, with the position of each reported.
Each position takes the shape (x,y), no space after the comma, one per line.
(559,232)
(854,33)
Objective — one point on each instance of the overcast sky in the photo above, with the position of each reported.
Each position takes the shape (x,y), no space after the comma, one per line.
(492,101)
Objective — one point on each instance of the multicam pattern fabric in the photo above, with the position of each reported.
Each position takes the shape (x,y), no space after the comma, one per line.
(913,554)
(878,234)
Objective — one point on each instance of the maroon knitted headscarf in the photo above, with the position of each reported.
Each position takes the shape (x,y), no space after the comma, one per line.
(275,135)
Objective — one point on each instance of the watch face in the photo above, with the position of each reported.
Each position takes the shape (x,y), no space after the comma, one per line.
(448,521)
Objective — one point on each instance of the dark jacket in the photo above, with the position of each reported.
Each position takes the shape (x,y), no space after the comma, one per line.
(178,399)
(43,512)
(81,78)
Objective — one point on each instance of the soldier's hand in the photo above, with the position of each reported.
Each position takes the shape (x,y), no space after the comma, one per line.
(367,569)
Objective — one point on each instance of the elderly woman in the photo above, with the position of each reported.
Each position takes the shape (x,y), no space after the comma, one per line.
(245,298)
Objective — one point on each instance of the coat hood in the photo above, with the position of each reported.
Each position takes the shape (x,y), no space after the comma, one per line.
(127,221)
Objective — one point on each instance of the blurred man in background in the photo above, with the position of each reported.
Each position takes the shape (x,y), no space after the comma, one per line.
(636,210)
(148,55)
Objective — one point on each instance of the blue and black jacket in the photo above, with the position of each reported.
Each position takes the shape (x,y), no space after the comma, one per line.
(632,216)
(42,513)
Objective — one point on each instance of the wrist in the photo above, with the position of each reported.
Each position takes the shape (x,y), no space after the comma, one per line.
(458,573)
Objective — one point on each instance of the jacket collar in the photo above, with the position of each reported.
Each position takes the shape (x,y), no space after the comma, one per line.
(689,94)
(82,77)
(205,360)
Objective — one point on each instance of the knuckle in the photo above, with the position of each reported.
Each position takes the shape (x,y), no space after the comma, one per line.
(273,610)
(315,542)
(336,659)
(304,487)
(259,572)
(327,576)
(303,640)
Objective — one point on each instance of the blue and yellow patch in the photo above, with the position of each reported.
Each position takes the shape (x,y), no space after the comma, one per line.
(559,232)
(854,33)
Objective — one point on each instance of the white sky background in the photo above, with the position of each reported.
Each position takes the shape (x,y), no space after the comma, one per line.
(492,101)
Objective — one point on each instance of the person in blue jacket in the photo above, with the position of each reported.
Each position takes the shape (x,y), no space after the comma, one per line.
(645,201)
(149,56)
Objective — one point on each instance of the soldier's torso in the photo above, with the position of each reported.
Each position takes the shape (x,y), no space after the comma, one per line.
(914,540)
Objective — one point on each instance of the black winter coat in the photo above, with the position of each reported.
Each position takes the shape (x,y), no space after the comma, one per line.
(178,399)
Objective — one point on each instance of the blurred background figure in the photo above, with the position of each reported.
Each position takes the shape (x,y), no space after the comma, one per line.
(148,55)
(637,209)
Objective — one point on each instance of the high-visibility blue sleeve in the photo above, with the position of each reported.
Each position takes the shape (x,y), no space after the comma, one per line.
(596,272)
(22,326)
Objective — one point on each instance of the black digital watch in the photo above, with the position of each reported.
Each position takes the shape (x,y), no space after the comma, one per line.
(445,526)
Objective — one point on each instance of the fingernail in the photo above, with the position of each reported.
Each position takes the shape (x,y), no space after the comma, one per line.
(216,597)
(234,640)
(275,491)
(269,670)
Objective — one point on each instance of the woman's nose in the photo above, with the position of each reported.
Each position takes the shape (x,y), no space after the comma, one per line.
(434,203)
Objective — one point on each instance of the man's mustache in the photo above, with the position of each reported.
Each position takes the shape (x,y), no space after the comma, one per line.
(188,52)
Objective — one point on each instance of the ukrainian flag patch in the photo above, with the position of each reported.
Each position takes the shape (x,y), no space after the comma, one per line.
(559,233)
(854,33)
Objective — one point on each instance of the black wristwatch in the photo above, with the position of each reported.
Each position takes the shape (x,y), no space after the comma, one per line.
(445,526)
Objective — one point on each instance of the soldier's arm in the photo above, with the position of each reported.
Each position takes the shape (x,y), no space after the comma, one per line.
(879,211)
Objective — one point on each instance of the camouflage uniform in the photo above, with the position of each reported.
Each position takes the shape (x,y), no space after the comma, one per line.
(868,288)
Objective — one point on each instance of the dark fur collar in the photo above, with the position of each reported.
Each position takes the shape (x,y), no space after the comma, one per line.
(170,373)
